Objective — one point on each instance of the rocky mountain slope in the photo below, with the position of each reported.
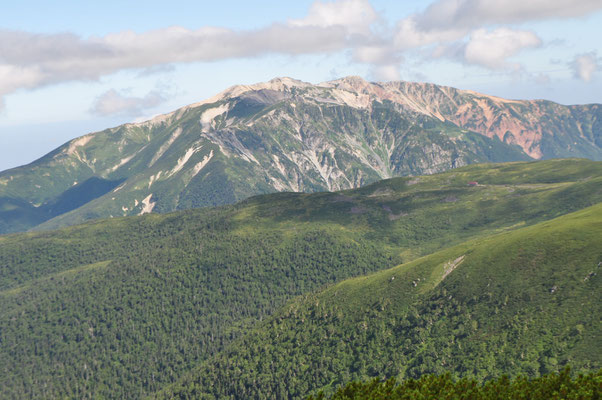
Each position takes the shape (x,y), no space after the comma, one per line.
(286,135)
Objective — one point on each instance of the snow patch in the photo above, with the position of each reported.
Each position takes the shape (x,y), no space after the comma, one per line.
(209,115)
(279,166)
(121,163)
(153,178)
(278,184)
(227,140)
(197,168)
(82,141)
(166,145)
(183,160)
(355,100)
(147,205)
(323,170)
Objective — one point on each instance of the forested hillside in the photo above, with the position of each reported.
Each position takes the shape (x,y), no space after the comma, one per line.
(552,386)
(121,308)
(523,302)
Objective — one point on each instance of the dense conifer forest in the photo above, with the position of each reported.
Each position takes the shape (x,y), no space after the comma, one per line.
(523,302)
(257,291)
(553,386)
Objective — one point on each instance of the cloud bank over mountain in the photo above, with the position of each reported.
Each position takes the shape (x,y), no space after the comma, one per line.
(479,32)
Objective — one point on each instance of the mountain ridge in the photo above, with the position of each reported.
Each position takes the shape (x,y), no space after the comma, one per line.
(288,135)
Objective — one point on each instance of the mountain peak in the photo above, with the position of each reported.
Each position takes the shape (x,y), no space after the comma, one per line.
(286,81)
(290,135)
(278,84)
(351,79)
(351,83)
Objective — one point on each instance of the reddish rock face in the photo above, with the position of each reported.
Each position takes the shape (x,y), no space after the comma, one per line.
(526,123)
(288,135)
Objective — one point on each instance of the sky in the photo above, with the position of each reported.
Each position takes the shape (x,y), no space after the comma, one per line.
(68,68)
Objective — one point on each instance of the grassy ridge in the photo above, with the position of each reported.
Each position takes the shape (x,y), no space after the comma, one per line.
(122,307)
(520,302)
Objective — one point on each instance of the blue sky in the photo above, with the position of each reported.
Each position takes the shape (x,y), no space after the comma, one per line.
(68,68)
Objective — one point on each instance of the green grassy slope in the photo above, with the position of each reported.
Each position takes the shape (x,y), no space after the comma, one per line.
(526,301)
(121,307)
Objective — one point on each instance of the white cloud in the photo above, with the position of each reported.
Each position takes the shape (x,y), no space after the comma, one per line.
(383,60)
(377,54)
(356,16)
(585,65)
(450,20)
(457,29)
(29,60)
(114,103)
(157,69)
(492,49)
(455,14)
(541,78)
(409,35)
(387,72)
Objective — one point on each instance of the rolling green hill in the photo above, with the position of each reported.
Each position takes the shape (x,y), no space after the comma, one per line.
(286,135)
(123,307)
(526,301)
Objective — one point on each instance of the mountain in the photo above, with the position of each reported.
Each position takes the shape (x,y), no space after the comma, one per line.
(286,135)
(123,307)
(526,302)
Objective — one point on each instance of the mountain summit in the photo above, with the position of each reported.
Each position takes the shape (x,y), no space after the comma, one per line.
(287,135)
